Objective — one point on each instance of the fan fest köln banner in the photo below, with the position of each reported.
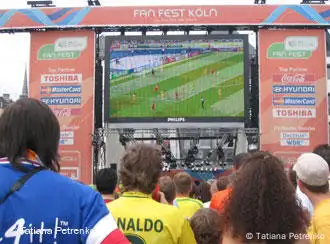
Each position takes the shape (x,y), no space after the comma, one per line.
(293,92)
(62,76)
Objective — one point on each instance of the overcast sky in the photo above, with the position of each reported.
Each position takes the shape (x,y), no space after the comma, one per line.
(14,48)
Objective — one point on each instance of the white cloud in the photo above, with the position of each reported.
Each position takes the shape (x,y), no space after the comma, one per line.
(14,48)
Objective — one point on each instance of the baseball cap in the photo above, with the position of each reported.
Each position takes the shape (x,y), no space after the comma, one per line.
(312,169)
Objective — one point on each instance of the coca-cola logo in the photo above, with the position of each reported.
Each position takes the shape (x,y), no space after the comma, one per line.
(66,112)
(297,78)
(294,78)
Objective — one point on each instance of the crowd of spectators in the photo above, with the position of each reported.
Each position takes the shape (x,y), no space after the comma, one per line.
(260,202)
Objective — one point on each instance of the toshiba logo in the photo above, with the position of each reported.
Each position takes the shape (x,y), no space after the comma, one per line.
(176,120)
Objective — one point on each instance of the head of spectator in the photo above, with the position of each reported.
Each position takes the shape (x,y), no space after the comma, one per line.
(312,173)
(203,192)
(213,186)
(106,181)
(167,186)
(207,226)
(239,160)
(29,129)
(183,184)
(292,175)
(140,168)
(222,183)
(193,192)
(152,221)
(324,152)
(263,201)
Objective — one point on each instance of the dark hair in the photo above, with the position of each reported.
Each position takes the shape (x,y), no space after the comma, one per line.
(317,189)
(30,124)
(183,183)
(263,200)
(324,152)
(239,160)
(106,181)
(166,186)
(222,183)
(207,226)
(193,191)
(140,167)
(293,178)
(203,192)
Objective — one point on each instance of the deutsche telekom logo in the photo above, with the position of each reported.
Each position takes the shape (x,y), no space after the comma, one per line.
(294,78)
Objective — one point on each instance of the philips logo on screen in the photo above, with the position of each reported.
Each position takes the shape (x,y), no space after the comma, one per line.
(176,120)
(293,89)
(60,90)
(294,101)
(61,100)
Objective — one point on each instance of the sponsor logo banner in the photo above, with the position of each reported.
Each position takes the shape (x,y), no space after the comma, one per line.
(294,101)
(294,78)
(298,113)
(294,135)
(62,76)
(60,90)
(61,100)
(293,89)
(67,142)
(294,143)
(66,112)
(293,92)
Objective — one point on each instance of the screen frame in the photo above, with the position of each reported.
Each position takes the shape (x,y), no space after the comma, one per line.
(133,121)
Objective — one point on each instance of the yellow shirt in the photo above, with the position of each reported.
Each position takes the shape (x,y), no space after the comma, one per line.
(319,230)
(145,221)
(188,206)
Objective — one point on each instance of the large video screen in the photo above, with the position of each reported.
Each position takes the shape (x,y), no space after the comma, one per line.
(175,79)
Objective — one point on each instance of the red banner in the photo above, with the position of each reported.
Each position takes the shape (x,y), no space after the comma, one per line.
(62,76)
(238,15)
(293,92)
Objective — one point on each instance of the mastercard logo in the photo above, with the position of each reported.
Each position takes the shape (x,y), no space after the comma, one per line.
(46,90)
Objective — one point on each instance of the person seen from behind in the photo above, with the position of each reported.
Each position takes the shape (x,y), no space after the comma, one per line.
(142,219)
(219,184)
(166,186)
(219,199)
(106,181)
(301,197)
(203,192)
(33,193)
(324,152)
(263,202)
(312,172)
(183,185)
(207,226)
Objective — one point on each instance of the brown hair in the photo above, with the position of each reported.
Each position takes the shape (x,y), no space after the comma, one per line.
(207,226)
(140,168)
(203,192)
(317,189)
(166,186)
(222,183)
(263,201)
(183,183)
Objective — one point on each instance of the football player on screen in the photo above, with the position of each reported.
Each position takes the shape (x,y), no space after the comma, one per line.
(203,102)
(134,96)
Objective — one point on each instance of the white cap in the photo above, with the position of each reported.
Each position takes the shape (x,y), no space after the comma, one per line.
(312,169)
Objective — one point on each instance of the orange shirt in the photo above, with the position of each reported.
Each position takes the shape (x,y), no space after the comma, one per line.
(219,199)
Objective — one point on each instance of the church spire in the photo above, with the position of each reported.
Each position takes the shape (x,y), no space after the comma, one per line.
(25,92)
